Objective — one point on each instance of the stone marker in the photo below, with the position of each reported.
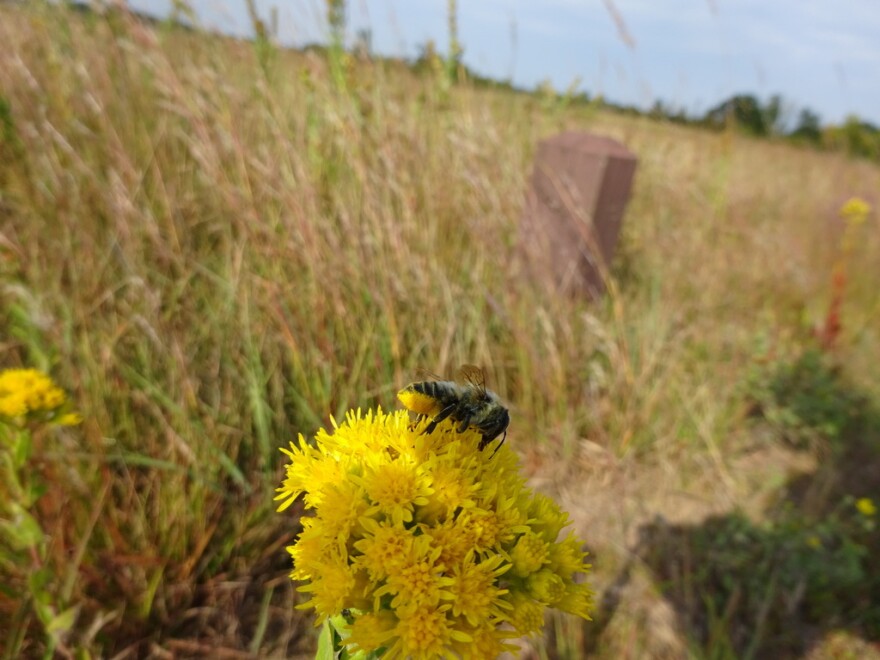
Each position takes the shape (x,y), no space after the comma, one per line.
(574,207)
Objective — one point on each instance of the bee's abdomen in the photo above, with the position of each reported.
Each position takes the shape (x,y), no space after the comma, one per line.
(422,398)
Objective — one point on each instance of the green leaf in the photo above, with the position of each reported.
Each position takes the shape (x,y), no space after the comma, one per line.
(341,626)
(326,647)
(341,623)
(21,449)
(37,582)
(23,531)
(63,622)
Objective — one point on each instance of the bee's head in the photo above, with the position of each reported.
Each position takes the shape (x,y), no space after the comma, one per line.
(495,424)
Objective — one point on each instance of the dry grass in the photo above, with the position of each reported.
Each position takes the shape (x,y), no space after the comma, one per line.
(216,247)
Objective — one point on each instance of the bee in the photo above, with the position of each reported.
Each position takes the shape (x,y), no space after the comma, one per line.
(466,401)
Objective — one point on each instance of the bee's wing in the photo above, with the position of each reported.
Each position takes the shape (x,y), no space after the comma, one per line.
(424,374)
(473,375)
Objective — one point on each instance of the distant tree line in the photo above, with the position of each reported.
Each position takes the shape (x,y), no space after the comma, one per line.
(748,114)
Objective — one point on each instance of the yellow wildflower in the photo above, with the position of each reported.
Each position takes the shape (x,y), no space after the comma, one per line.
(69,419)
(455,538)
(529,554)
(486,642)
(416,579)
(383,547)
(475,591)
(855,210)
(331,587)
(453,488)
(548,518)
(866,506)
(342,507)
(546,586)
(371,631)
(578,600)
(527,614)
(431,546)
(396,487)
(484,528)
(425,632)
(567,557)
(26,392)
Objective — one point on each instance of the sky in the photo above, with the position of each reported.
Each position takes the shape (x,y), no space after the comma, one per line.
(690,54)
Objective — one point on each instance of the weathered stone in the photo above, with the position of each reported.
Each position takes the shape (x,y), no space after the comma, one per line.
(574,209)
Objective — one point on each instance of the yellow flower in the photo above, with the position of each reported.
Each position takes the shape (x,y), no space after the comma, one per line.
(567,557)
(383,547)
(527,615)
(529,554)
(432,546)
(486,642)
(342,507)
(855,210)
(396,487)
(548,518)
(866,506)
(370,631)
(13,405)
(483,527)
(310,473)
(578,600)
(311,549)
(453,487)
(331,588)
(26,392)
(455,539)
(546,586)
(416,579)
(69,419)
(425,632)
(475,592)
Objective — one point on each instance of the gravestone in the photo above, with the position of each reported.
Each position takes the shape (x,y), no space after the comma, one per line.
(574,209)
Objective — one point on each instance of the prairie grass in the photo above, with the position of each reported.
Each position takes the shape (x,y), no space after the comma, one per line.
(215,245)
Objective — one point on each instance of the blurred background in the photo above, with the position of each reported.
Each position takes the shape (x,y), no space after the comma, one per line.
(222,224)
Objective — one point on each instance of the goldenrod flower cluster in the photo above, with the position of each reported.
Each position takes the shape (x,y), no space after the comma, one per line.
(866,506)
(855,210)
(28,393)
(430,546)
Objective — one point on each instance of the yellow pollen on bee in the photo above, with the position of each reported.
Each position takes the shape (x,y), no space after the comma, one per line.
(419,403)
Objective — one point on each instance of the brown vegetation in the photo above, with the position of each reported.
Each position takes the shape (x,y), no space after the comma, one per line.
(215,245)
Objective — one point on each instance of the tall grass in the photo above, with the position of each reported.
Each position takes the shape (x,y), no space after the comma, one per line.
(215,250)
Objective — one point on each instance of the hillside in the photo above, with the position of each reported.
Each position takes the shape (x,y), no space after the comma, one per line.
(215,245)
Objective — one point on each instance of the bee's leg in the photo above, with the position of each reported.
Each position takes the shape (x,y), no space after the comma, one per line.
(443,414)
(503,438)
(465,422)
(419,418)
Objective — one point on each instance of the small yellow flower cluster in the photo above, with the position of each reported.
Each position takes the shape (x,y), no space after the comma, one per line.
(866,506)
(855,210)
(430,546)
(28,392)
